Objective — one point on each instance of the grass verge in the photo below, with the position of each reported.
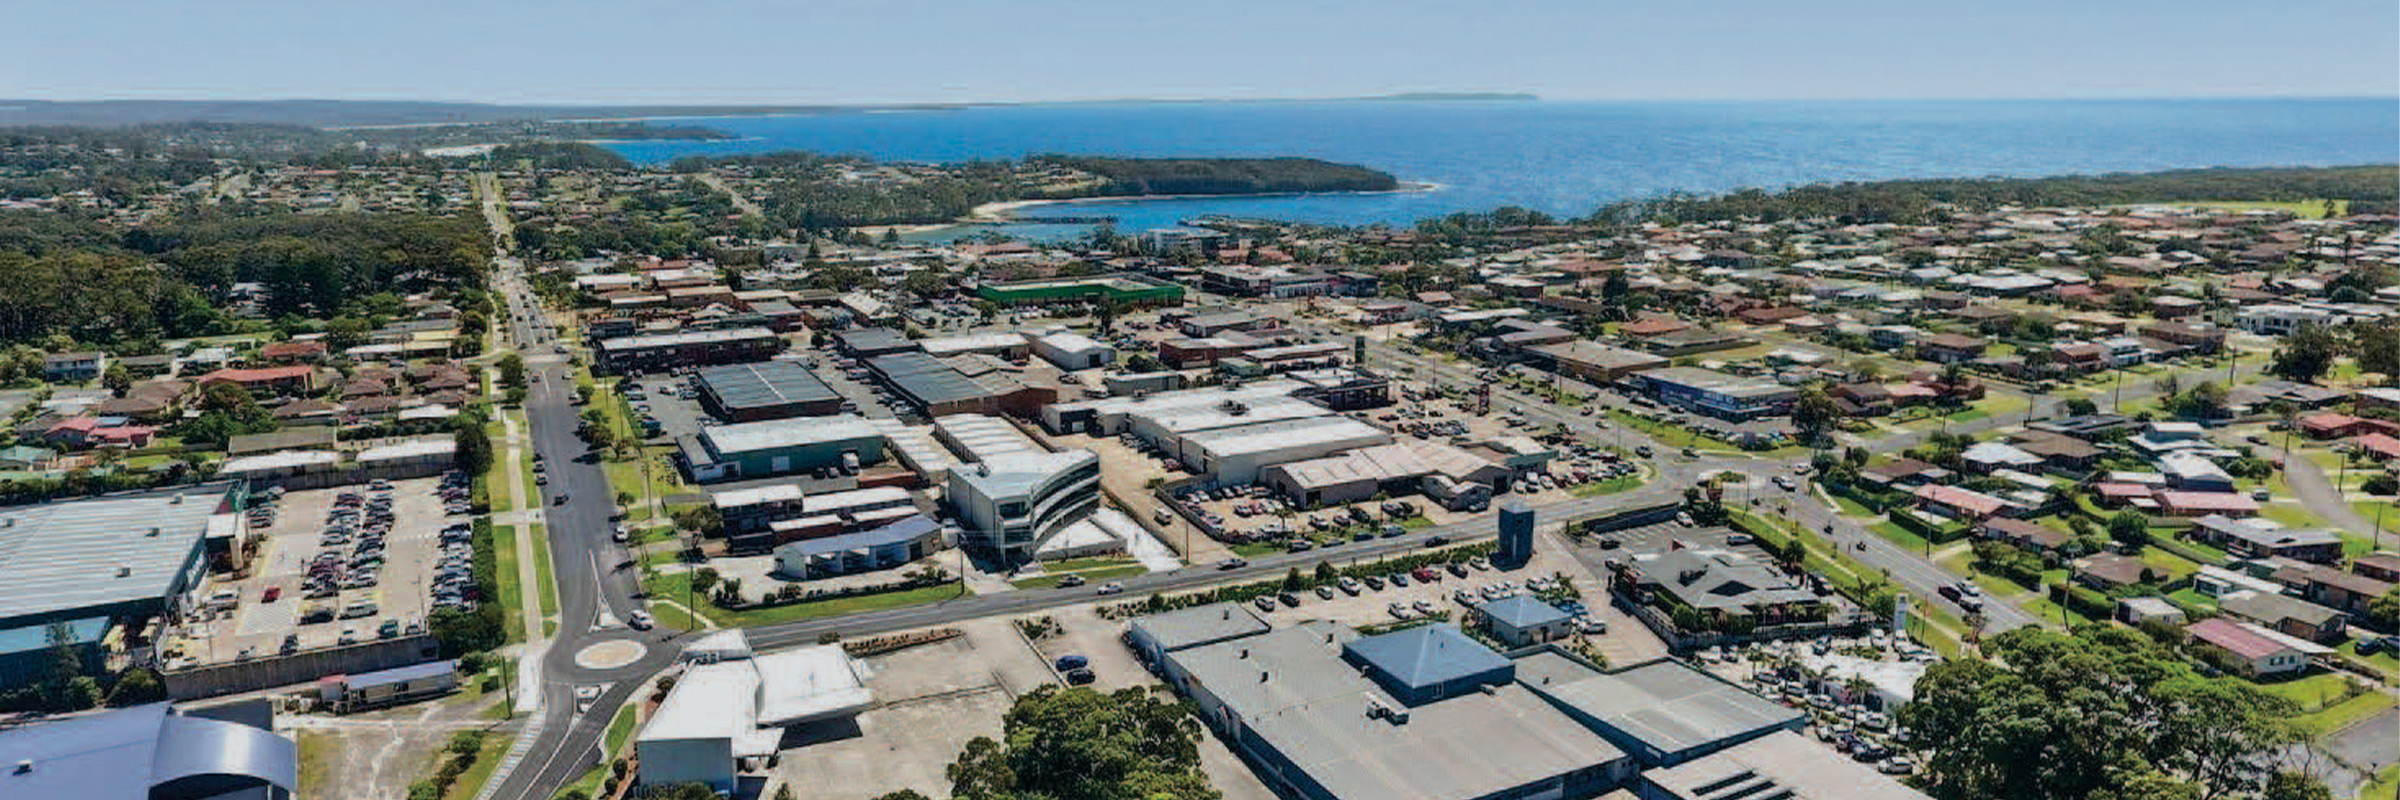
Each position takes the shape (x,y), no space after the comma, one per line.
(672,586)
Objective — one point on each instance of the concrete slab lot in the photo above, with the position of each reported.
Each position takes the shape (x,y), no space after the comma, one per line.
(929,701)
(404,592)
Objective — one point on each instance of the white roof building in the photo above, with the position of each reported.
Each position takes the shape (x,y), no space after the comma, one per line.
(731,704)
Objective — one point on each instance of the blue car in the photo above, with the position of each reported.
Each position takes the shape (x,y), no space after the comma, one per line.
(1069,663)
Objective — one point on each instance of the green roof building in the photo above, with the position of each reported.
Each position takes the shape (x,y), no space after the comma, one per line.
(1123,288)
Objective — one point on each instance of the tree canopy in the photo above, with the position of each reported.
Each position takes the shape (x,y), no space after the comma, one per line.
(1079,744)
(2101,713)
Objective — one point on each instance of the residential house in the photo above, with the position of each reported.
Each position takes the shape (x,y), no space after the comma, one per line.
(2291,616)
(2327,586)
(1958,503)
(1950,348)
(300,352)
(2140,610)
(2251,538)
(75,367)
(2111,571)
(2381,565)
(2026,534)
(2249,649)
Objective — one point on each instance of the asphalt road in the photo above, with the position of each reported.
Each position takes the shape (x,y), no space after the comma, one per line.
(576,506)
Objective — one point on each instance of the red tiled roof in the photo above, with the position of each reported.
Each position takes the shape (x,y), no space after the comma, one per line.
(2208,501)
(1653,327)
(2380,444)
(2327,421)
(1965,499)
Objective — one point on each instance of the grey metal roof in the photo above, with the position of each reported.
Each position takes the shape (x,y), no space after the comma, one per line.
(1291,689)
(1426,656)
(1670,707)
(124,753)
(781,433)
(1216,622)
(84,553)
(768,383)
(413,672)
(904,530)
(1522,611)
(875,340)
(928,380)
(1782,764)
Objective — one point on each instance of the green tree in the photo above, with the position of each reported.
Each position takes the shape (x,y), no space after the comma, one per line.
(2129,527)
(2289,785)
(116,379)
(2103,713)
(2307,354)
(1062,743)
(512,371)
(2385,610)
(2080,406)
(1815,412)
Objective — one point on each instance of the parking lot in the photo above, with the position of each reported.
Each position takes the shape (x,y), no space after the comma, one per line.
(338,566)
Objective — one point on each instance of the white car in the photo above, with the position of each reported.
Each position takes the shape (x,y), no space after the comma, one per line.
(640,620)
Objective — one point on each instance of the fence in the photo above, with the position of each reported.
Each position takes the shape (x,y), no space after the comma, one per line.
(267,672)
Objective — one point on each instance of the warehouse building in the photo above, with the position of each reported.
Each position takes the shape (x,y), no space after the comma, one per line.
(1593,362)
(766,390)
(1457,478)
(1717,394)
(115,557)
(666,351)
(1112,416)
(1779,764)
(1323,714)
(873,342)
(727,712)
(1139,291)
(1233,456)
(156,751)
(1004,344)
(782,447)
(961,385)
(1666,713)
(1072,351)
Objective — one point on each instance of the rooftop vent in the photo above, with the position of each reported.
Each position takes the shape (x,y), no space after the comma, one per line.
(25,767)
(154,531)
(124,571)
(175,501)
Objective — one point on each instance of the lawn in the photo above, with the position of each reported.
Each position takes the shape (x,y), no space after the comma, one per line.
(673,586)
(2384,786)
(504,569)
(487,761)
(2384,661)
(2169,563)
(2345,714)
(544,581)
(2311,692)
(2193,598)
(1610,486)
(1905,538)
(1256,549)
(317,752)
(621,728)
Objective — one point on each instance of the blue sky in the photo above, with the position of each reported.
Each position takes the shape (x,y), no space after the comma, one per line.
(841,51)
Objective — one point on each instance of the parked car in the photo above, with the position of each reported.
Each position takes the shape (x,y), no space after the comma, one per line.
(1071,662)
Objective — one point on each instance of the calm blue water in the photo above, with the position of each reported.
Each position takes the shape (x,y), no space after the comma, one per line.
(1567,158)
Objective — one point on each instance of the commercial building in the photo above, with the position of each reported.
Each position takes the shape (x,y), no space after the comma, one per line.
(1666,713)
(1457,478)
(1133,290)
(156,751)
(895,544)
(665,351)
(727,711)
(1717,394)
(1426,713)
(959,385)
(1073,351)
(2256,538)
(114,557)
(782,447)
(1111,416)
(1005,344)
(1593,362)
(1314,711)
(1724,582)
(873,342)
(1234,455)
(766,390)
(1010,503)
(1523,620)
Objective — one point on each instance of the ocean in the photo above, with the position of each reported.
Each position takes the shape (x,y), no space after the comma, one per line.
(1568,158)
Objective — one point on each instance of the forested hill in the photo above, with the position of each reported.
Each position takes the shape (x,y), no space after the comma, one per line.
(1146,176)
(2369,189)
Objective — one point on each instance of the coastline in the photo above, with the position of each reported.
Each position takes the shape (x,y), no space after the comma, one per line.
(1004,212)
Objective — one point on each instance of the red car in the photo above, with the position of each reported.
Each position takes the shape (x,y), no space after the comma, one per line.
(270,594)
